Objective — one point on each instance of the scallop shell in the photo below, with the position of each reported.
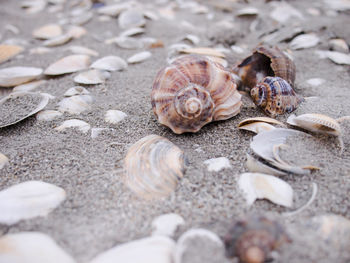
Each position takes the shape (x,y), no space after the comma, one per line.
(192,92)
(275,96)
(265,61)
(9,51)
(153,166)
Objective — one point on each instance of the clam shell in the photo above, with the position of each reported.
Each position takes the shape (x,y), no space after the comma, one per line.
(82,51)
(132,32)
(76,90)
(91,77)
(14,76)
(9,51)
(69,64)
(255,166)
(338,45)
(48,31)
(153,166)
(114,116)
(29,86)
(76,31)
(131,18)
(166,225)
(257,127)
(128,42)
(48,115)
(110,63)
(20,105)
(139,57)
(58,41)
(3,160)
(114,10)
(75,104)
(304,41)
(74,123)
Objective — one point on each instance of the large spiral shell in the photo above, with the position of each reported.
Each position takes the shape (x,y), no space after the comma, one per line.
(153,166)
(192,92)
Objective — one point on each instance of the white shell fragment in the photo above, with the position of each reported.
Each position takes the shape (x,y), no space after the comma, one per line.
(255,166)
(114,116)
(153,166)
(58,41)
(304,41)
(69,64)
(258,124)
(113,10)
(91,77)
(166,225)
(27,247)
(76,90)
(110,63)
(132,32)
(284,12)
(131,18)
(48,115)
(248,11)
(139,57)
(263,186)
(27,200)
(217,164)
(29,86)
(82,50)
(74,123)
(156,249)
(338,57)
(128,42)
(338,45)
(14,76)
(48,31)
(315,82)
(3,160)
(75,104)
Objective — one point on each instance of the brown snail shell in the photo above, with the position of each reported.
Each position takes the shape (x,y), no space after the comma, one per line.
(252,239)
(193,91)
(265,61)
(275,96)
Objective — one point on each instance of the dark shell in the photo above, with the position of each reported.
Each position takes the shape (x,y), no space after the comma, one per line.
(252,239)
(265,61)
(275,96)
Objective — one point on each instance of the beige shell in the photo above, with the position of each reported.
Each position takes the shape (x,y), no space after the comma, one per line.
(193,91)
(9,51)
(153,166)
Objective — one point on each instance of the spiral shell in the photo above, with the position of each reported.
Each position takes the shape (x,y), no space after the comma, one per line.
(153,166)
(193,91)
(265,61)
(275,96)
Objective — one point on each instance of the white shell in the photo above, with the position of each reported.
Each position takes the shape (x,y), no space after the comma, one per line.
(131,18)
(3,160)
(304,41)
(128,42)
(338,57)
(166,225)
(114,10)
(110,63)
(255,166)
(248,11)
(139,57)
(217,164)
(114,116)
(284,12)
(258,124)
(28,247)
(156,249)
(76,31)
(58,41)
(90,77)
(48,31)
(76,90)
(132,32)
(48,115)
(82,51)
(29,86)
(74,123)
(27,200)
(339,45)
(14,76)
(259,186)
(315,82)
(75,104)
(69,64)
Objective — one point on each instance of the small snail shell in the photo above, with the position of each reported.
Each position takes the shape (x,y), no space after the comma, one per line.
(265,61)
(193,91)
(275,96)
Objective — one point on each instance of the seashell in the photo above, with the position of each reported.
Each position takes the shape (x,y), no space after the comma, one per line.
(132,32)
(315,82)
(193,39)
(217,164)
(110,63)
(3,160)
(82,19)
(82,51)
(156,249)
(48,115)
(29,86)
(318,123)
(128,42)
(113,10)
(253,239)
(275,96)
(338,45)
(131,18)
(139,57)
(31,247)
(27,200)
(283,12)
(69,64)
(150,15)
(91,77)
(338,5)
(153,166)
(265,61)
(14,76)
(255,166)
(248,11)
(75,104)
(114,116)
(40,50)
(192,92)
(76,31)
(258,124)
(18,106)
(304,41)
(33,6)
(47,32)
(76,90)
(204,51)
(9,51)
(338,57)
(74,123)
(58,41)
(166,225)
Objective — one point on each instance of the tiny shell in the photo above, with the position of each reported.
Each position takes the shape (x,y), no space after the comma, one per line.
(153,166)
(48,31)
(14,76)
(75,104)
(217,164)
(82,51)
(58,41)
(91,77)
(114,116)
(283,12)
(110,63)
(3,160)
(128,42)
(204,51)
(263,186)
(9,51)
(74,123)
(132,32)
(82,19)
(113,10)
(139,57)
(76,31)
(249,11)
(131,18)
(304,41)
(338,45)
(76,90)
(29,86)
(166,225)
(315,82)
(69,64)
(48,115)
(255,166)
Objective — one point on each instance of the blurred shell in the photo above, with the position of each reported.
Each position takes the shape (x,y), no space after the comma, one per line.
(29,86)
(74,123)
(204,51)
(82,51)
(338,45)
(192,92)
(275,96)
(9,51)
(139,57)
(252,239)
(76,31)
(258,124)
(217,164)
(82,19)
(58,41)
(283,12)
(75,104)
(114,116)
(110,63)
(166,225)
(47,31)
(76,90)
(3,160)
(248,11)
(14,76)
(304,41)
(91,77)
(153,166)
(128,42)
(18,106)
(131,18)
(69,64)
(132,32)
(115,9)
(338,57)
(318,123)
(255,166)
(48,115)
(265,61)
(315,82)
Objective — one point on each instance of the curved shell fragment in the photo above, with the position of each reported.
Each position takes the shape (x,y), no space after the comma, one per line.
(58,41)
(83,51)
(75,104)
(304,41)
(74,123)
(14,76)
(260,119)
(91,77)
(257,127)
(76,90)
(139,57)
(110,63)
(9,51)
(114,116)
(69,64)
(255,166)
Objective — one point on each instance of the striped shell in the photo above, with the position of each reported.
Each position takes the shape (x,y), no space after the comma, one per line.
(265,61)
(193,91)
(153,166)
(275,96)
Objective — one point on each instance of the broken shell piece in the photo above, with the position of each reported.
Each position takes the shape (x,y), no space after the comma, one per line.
(166,225)
(76,90)
(9,51)
(114,116)
(47,31)
(3,160)
(263,186)
(91,77)
(153,166)
(258,124)
(304,41)
(82,51)
(131,18)
(74,123)
(338,45)
(27,200)
(110,63)
(75,104)
(14,76)
(139,57)
(203,51)
(48,115)
(38,247)
(69,64)
(217,164)
(18,106)
(255,166)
